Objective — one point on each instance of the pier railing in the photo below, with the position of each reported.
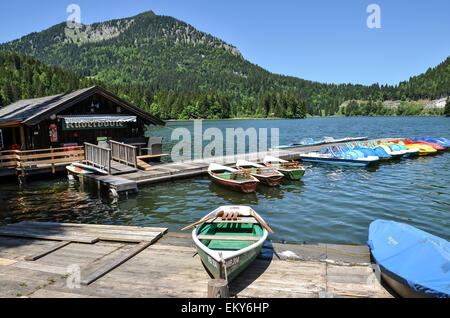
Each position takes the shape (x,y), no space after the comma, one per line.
(123,153)
(97,157)
(42,157)
(9,158)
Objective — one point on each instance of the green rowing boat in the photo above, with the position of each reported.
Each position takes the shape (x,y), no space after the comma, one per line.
(291,170)
(228,239)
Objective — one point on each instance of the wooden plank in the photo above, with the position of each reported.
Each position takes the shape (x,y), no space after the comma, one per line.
(46,251)
(102,226)
(54,237)
(124,230)
(115,263)
(103,234)
(11,124)
(8,164)
(152,156)
(120,168)
(241,220)
(227,238)
(143,165)
(7,262)
(40,267)
(51,154)
(14,156)
(45,293)
(50,161)
(48,149)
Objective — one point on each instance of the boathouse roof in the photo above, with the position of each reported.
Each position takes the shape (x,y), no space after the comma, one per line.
(32,111)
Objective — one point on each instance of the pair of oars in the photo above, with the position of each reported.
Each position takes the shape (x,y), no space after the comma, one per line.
(220,213)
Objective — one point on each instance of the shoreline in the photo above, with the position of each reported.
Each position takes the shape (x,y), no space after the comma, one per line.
(307,117)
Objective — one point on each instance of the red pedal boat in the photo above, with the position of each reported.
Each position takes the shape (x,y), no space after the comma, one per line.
(431,144)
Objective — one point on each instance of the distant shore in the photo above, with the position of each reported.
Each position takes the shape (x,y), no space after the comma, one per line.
(281,118)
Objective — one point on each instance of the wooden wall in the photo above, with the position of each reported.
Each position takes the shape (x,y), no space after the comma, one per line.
(38,136)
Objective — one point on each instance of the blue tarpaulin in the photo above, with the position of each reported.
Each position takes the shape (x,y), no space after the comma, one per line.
(420,259)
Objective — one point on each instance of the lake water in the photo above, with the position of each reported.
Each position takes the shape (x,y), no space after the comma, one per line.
(330,204)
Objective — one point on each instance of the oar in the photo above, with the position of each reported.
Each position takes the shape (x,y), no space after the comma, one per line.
(201,221)
(262,222)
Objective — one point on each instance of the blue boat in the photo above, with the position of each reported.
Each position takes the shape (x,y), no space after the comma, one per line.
(412,262)
(440,141)
(369,151)
(401,147)
(311,142)
(337,155)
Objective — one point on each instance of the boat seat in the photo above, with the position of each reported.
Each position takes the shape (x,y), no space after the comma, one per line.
(228,238)
(241,220)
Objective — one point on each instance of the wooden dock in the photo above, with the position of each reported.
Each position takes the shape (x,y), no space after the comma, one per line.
(55,260)
(188,169)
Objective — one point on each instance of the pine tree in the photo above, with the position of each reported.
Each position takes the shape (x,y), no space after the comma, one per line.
(447,108)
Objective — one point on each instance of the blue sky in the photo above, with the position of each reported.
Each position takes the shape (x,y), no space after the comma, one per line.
(322,40)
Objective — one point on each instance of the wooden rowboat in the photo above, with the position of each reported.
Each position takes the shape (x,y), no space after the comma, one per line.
(229,239)
(266,175)
(232,178)
(291,169)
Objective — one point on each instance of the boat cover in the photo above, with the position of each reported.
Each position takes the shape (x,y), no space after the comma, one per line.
(380,152)
(396,147)
(421,260)
(366,151)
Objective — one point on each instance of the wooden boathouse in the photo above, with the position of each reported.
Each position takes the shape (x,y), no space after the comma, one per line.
(53,131)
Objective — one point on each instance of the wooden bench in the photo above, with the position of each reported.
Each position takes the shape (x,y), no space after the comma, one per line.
(228,238)
(241,220)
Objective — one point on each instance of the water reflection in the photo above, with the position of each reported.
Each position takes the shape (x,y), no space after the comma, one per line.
(234,197)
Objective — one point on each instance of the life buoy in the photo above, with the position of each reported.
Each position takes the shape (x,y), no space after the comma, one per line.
(15,147)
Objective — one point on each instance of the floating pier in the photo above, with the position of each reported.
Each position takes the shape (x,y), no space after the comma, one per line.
(193,168)
(40,259)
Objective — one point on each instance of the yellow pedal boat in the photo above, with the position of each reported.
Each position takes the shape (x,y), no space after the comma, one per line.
(424,150)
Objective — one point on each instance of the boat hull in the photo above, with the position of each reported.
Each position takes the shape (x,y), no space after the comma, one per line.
(235,265)
(78,171)
(423,151)
(293,174)
(431,144)
(271,181)
(246,187)
(411,154)
(401,289)
(350,162)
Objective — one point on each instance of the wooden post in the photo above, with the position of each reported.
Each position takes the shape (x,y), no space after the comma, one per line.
(22,138)
(218,288)
(53,164)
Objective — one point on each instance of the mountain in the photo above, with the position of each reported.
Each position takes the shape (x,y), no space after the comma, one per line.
(176,64)
(151,50)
